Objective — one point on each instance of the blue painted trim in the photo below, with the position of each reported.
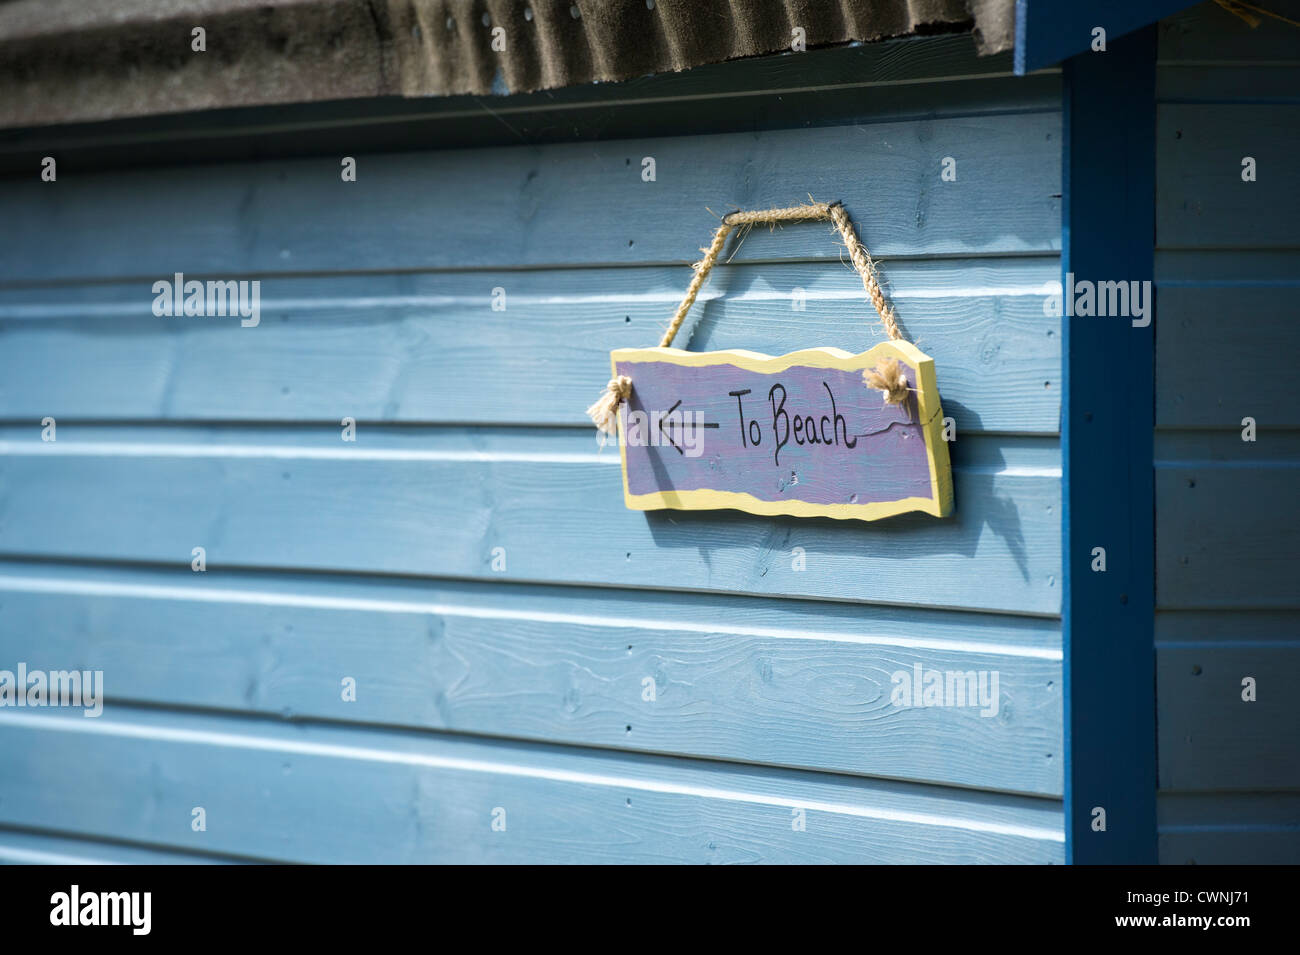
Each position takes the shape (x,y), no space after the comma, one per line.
(1051,31)
(1107,421)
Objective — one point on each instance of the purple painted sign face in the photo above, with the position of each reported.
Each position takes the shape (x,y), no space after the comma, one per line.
(736,429)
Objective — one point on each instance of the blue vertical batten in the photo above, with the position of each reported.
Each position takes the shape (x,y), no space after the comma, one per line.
(1108,231)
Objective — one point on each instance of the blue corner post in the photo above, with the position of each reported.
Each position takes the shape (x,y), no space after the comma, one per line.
(1050,31)
(1107,419)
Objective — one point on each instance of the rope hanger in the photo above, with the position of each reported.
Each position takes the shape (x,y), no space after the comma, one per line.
(886,377)
(833,211)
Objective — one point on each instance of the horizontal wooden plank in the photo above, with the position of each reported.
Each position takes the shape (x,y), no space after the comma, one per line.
(1223,447)
(1229,828)
(431,347)
(313,793)
(1201,363)
(1193,628)
(361,128)
(758,681)
(1201,200)
(1227,267)
(1211,845)
(871,82)
(30,848)
(1268,82)
(1213,739)
(839,621)
(1227,535)
(547,205)
(441,502)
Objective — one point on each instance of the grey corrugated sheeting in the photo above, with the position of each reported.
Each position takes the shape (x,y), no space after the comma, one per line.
(71,61)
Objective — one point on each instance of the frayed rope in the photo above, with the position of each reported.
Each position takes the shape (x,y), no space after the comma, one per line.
(887,377)
(604,412)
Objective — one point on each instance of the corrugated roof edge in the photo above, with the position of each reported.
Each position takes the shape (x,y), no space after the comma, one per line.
(67,61)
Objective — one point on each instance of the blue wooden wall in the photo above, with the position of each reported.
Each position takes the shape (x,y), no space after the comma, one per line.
(520,686)
(1227,525)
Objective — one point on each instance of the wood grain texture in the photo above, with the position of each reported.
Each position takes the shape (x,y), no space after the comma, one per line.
(393,797)
(1200,363)
(1209,737)
(1227,535)
(778,682)
(438,503)
(563,204)
(1201,200)
(431,348)
(521,688)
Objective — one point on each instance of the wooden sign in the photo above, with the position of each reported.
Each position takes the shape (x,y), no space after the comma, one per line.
(799,434)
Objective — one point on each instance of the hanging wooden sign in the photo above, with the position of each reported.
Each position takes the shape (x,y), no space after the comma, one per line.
(799,434)
(816,433)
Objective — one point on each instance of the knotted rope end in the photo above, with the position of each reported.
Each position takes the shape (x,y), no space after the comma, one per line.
(888,378)
(604,412)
